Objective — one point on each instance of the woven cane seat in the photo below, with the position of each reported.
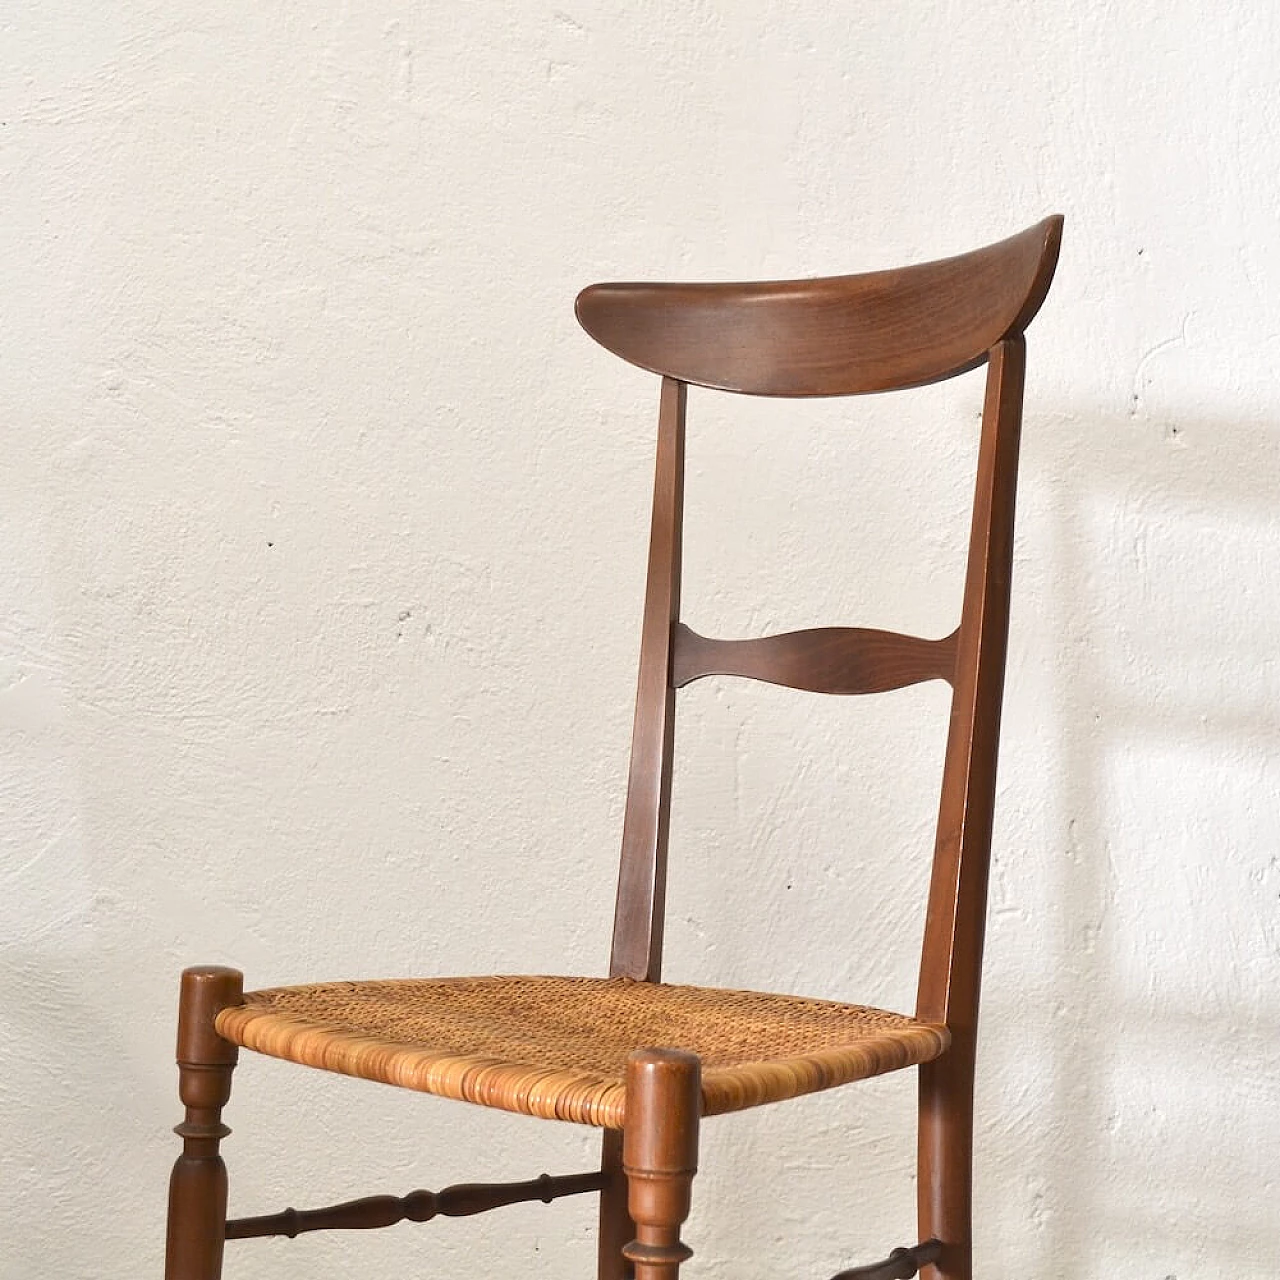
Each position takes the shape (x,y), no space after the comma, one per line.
(557,1047)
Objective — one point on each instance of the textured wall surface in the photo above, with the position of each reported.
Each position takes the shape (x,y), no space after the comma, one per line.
(322,532)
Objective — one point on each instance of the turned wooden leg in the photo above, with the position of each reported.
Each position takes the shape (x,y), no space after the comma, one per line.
(944,1190)
(660,1156)
(198,1185)
(616,1228)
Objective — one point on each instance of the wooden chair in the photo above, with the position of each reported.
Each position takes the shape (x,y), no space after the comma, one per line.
(642,1060)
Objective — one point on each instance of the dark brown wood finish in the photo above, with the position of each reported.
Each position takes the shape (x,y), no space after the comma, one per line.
(642,876)
(901,1264)
(841,660)
(660,1157)
(847,336)
(616,1230)
(839,336)
(951,958)
(198,1185)
(843,335)
(370,1212)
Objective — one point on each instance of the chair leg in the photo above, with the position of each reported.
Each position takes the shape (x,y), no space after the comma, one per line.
(945,1150)
(616,1228)
(198,1185)
(660,1156)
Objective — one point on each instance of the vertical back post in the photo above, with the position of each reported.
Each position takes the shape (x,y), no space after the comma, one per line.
(952,955)
(951,959)
(642,876)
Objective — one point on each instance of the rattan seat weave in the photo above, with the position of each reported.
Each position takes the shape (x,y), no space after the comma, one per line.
(557,1047)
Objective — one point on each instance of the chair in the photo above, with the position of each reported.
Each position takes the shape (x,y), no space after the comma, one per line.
(644,1061)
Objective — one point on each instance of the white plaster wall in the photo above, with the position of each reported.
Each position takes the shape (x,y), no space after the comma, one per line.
(322,535)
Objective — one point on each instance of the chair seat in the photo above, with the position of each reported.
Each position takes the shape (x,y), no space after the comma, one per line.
(557,1047)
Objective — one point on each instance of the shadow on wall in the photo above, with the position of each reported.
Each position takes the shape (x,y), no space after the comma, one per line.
(1152,986)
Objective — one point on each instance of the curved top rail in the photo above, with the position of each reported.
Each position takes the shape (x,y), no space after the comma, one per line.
(835,335)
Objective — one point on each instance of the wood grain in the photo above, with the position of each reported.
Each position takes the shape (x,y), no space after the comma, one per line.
(837,335)
(371,1212)
(837,660)
(901,1264)
(660,1157)
(955,919)
(655,1059)
(640,909)
(198,1184)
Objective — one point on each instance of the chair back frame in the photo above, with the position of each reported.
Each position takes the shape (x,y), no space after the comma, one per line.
(841,336)
(957,313)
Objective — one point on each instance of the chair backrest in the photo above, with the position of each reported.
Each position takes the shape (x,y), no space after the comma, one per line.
(844,335)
